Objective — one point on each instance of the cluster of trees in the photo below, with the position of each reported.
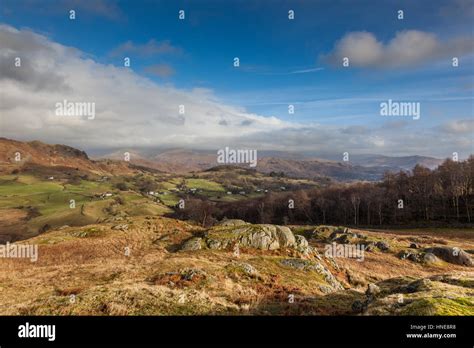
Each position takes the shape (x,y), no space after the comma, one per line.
(423,196)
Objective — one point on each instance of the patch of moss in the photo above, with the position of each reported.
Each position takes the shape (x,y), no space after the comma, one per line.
(466,283)
(87,233)
(440,306)
(53,239)
(339,303)
(303,231)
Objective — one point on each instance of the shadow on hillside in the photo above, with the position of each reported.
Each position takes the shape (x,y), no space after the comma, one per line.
(338,303)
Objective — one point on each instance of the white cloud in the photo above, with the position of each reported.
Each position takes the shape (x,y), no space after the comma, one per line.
(408,47)
(460,126)
(130,109)
(133,111)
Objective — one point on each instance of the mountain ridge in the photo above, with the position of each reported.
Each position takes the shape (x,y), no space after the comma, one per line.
(37,156)
(360,167)
(182,161)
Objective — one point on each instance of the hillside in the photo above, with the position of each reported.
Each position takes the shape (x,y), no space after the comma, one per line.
(36,156)
(157,266)
(37,199)
(107,244)
(311,168)
(36,190)
(56,185)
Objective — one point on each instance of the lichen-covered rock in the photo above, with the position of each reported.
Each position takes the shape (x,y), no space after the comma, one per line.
(456,280)
(217,243)
(286,238)
(410,255)
(456,256)
(263,237)
(346,239)
(299,264)
(325,289)
(372,290)
(121,227)
(301,241)
(307,265)
(190,274)
(325,233)
(430,258)
(248,269)
(419,285)
(424,296)
(383,245)
(192,244)
(404,254)
(334,235)
(232,222)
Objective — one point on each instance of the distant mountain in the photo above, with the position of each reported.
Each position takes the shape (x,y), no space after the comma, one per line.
(186,160)
(35,155)
(402,162)
(171,161)
(360,167)
(312,168)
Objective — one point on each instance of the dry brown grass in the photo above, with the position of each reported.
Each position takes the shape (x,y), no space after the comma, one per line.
(105,281)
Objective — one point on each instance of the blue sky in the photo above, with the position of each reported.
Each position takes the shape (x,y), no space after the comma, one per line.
(286,61)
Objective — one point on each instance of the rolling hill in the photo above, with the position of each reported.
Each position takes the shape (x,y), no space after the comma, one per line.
(38,157)
(361,167)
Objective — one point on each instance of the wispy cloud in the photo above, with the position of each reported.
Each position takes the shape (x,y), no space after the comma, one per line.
(264,70)
(305,71)
(465,126)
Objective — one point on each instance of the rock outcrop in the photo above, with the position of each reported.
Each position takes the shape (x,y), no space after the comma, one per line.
(456,256)
(307,265)
(237,232)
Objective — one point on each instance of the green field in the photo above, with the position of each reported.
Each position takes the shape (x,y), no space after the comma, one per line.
(31,204)
(47,203)
(205,185)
